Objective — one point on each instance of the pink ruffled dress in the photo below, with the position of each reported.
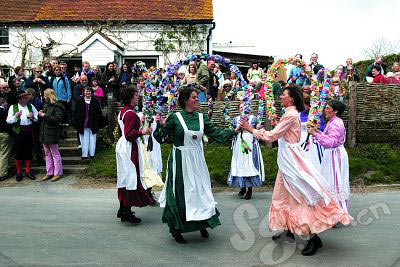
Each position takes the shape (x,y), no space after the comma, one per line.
(301,202)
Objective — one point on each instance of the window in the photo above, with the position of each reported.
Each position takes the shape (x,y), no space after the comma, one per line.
(149,61)
(4,36)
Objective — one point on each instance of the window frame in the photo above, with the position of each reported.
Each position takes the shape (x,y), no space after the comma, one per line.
(7,45)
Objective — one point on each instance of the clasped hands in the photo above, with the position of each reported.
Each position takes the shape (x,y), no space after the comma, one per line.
(245,125)
(312,130)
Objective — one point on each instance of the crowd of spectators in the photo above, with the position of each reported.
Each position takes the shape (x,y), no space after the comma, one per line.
(50,99)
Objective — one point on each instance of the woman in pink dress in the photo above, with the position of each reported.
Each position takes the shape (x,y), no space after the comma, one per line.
(301,202)
(335,162)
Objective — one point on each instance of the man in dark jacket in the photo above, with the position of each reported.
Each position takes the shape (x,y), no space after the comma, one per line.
(20,74)
(5,140)
(38,82)
(5,93)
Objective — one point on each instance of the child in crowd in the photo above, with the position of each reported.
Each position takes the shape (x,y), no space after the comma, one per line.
(97,91)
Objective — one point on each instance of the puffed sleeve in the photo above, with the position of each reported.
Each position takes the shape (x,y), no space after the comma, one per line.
(284,124)
(332,137)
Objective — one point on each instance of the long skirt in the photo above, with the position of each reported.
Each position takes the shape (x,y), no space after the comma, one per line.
(285,213)
(174,213)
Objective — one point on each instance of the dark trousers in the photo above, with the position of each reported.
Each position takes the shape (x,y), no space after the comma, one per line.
(23,144)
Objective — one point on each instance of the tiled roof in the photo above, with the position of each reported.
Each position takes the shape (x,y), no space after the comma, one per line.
(99,10)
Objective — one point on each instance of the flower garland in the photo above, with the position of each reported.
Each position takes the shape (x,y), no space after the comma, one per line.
(320,90)
(167,80)
(247,109)
(261,110)
(148,109)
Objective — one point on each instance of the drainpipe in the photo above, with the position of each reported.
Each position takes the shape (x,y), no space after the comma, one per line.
(209,36)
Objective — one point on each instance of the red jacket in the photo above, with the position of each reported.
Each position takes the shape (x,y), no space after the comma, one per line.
(379,79)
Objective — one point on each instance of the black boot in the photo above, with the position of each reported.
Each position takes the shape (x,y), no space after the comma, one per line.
(127,216)
(121,208)
(312,246)
(242,191)
(204,233)
(179,238)
(249,193)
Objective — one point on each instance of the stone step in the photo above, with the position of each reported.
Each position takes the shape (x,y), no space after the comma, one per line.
(67,169)
(72,134)
(73,160)
(70,151)
(69,142)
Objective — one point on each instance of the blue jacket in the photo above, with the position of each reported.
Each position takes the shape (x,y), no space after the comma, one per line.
(62,88)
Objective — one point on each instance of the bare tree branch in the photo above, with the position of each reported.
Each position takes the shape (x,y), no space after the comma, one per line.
(381,47)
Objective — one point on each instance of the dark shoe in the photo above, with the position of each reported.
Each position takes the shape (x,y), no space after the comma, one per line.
(289,236)
(19,177)
(30,176)
(204,233)
(242,191)
(179,238)
(91,157)
(3,178)
(119,213)
(312,246)
(84,158)
(129,217)
(249,193)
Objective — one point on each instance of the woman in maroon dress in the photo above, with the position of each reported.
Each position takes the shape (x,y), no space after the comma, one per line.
(131,187)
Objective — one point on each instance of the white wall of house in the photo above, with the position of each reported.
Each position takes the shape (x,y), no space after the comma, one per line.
(137,41)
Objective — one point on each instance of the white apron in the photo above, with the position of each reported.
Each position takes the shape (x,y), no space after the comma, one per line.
(315,150)
(156,152)
(199,200)
(126,170)
(335,171)
(311,187)
(242,164)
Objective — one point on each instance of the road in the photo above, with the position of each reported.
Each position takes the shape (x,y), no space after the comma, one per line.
(53,224)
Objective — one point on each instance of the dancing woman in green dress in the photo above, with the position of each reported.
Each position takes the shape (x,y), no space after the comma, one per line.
(187,197)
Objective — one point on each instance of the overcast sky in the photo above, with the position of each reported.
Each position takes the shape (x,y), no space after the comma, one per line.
(335,29)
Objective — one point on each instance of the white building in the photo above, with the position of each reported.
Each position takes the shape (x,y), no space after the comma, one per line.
(33,31)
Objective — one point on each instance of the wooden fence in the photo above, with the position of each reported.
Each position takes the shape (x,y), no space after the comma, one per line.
(372,113)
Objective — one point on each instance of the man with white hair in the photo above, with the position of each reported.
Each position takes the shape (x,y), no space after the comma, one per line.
(352,73)
(7,94)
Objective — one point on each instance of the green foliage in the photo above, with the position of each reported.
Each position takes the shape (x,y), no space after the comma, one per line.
(388,60)
(374,163)
(180,39)
(103,141)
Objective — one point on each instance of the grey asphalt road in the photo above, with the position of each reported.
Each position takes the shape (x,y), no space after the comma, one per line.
(45,224)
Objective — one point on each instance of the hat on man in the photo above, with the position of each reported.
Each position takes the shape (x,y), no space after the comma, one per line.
(21,93)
